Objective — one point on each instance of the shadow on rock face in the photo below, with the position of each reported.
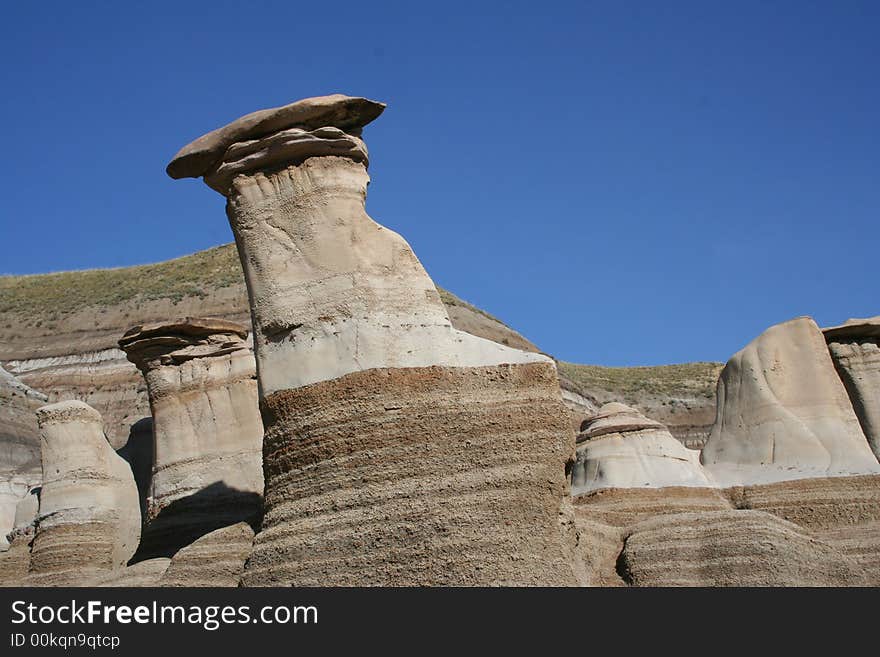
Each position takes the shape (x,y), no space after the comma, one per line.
(188,519)
(138,453)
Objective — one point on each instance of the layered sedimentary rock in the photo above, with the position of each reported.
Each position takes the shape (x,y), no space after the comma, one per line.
(618,447)
(855,349)
(19,446)
(216,559)
(207,432)
(398,450)
(88,518)
(731,548)
(67,348)
(141,574)
(19,435)
(783,413)
(819,531)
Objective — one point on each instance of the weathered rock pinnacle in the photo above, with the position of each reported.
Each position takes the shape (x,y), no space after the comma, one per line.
(398,450)
(207,467)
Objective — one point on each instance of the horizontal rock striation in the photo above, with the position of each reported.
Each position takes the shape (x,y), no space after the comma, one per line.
(623,507)
(19,446)
(803,532)
(731,548)
(816,504)
(147,573)
(415,477)
(88,519)
(207,432)
(215,560)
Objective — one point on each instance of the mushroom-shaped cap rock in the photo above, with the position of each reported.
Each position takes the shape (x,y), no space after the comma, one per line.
(854,328)
(615,417)
(181,340)
(337,110)
(191,326)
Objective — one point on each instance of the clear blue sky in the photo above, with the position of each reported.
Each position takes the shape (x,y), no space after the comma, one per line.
(624,182)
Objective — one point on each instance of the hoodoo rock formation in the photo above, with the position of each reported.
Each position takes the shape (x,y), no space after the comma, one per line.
(618,447)
(375,407)
(855,349)
(207,433)
(783,413)
(88,519)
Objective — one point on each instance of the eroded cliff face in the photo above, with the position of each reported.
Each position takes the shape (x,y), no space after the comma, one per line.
(804,532)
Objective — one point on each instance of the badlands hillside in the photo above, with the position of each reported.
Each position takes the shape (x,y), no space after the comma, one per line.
(59,334)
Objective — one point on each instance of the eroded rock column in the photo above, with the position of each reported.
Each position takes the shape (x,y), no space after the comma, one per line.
(397,449)
(207,432)
(855,349)
(88,518)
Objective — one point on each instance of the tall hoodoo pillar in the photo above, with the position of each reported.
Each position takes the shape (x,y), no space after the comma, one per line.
(207,433)
(398,450)
(88,518)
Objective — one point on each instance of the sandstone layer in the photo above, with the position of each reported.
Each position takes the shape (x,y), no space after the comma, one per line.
(618,447)
(804,532)
(19,435)
(425,455)
(67,348)
(731,548)
(855,349)
(147,573)
(207,432)
(215,560)
(415,476)
(88,519)
(783,413)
